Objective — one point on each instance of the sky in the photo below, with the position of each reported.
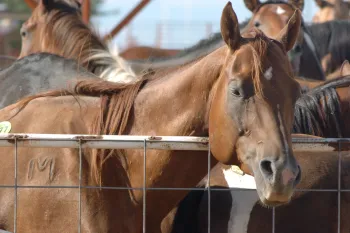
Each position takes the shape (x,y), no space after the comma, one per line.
(184,22)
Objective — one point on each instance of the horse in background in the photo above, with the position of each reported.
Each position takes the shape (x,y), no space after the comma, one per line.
(38,72)
(207,97)
(66,34)
(57,27)
(271,17)
(332,43)
(331,10)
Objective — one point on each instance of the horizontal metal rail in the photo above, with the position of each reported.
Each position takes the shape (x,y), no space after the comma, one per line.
(152,142)
(104,141)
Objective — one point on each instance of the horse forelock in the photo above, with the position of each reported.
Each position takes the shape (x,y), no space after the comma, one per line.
(259,45)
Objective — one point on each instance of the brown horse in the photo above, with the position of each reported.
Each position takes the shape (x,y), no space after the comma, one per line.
(239,211)
(331,10)
(57,27)
(203,98)
(270,17)
(145,52)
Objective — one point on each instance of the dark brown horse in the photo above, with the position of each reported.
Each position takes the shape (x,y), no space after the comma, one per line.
(57,27)
(203,98)
(331,10)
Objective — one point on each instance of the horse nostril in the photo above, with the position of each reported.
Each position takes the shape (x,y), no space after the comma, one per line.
(266,168)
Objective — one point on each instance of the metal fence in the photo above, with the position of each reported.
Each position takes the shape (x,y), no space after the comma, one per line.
(150,142)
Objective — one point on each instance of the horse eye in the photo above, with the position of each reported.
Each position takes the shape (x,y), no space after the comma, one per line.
(257,24)
(297,48)
(236,93)
(23,34)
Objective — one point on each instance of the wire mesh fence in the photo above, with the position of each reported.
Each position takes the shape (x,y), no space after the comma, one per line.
(146,143)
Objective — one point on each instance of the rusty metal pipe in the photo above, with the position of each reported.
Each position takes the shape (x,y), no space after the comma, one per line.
(126,20)
(86,9)
(31,3)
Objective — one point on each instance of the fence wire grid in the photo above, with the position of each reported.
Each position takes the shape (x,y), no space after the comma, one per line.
(150,142)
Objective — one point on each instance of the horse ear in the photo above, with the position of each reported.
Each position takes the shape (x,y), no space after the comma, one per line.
(230,27)
(297,3)
(252,5)
(345,68)
(321,3)
(290,32)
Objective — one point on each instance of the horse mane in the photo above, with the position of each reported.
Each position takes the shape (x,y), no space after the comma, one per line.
(332,38)
(318,112)
(259,46)
(63,28)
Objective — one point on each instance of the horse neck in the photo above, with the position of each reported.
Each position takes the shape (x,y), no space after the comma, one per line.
(187,88)
(79,42)
(175,105)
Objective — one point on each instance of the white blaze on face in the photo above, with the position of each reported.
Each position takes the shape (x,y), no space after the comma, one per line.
(268,73)
(280,10)
(242,201)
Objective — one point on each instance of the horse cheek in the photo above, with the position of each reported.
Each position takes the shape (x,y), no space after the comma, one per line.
(223,136)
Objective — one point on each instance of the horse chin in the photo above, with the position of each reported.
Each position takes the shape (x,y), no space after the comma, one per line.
(268,197)
(270,204)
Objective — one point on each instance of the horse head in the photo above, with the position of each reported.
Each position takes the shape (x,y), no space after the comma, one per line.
(251,113)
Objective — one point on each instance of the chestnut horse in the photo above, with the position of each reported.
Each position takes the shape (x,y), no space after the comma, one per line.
(207,97)
(331,10)
(56,26)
